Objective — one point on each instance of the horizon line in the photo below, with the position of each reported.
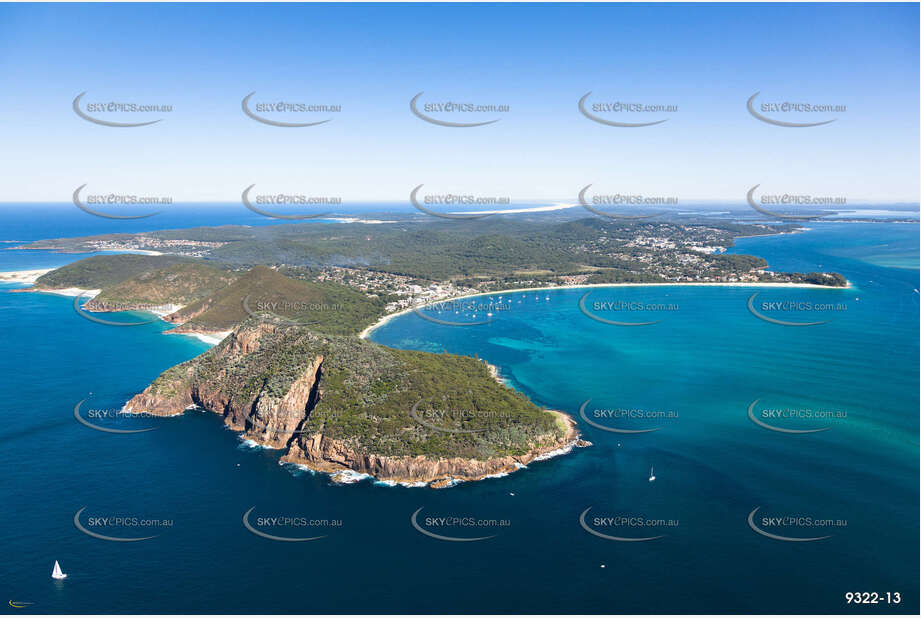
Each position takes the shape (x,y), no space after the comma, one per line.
(541,201)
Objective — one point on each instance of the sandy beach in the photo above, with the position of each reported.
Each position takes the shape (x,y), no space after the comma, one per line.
(30,276)
(66,292)
(210,337)
(367,331)
(23,276)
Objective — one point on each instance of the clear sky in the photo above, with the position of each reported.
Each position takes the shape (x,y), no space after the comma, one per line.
(537,59)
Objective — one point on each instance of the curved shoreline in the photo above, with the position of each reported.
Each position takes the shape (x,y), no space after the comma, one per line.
(427,473)
(211,337)
(730,284)
(23,276)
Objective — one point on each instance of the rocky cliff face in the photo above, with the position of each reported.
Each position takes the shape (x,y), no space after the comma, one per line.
(273,421)
(264,416)
(166,400)
(326,455)
(266,384)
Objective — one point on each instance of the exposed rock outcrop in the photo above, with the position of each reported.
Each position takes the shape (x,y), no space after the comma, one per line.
(326,455)
(267,378)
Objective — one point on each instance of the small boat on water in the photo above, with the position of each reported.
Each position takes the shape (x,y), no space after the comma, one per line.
(652,475)
(57,573)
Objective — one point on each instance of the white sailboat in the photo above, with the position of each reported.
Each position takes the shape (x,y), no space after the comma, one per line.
(652,475)
(57,573)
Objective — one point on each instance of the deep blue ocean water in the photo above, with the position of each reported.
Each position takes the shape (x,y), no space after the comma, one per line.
(706,361)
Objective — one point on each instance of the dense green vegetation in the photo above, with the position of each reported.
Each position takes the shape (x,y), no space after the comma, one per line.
(101,271)
(368,392)
(325,307)
(179,284)
(499,247)
(372,408)
(462,249)
(833,279)
(213,298)
(503,249)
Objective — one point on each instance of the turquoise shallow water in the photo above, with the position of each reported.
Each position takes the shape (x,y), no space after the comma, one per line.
(701,366)
(705,362)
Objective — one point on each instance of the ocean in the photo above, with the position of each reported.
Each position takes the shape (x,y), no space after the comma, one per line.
(696,376)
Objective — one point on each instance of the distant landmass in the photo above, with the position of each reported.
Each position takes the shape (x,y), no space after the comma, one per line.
(462,257)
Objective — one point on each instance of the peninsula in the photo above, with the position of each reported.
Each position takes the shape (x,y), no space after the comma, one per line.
(291,305)
(343,406)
